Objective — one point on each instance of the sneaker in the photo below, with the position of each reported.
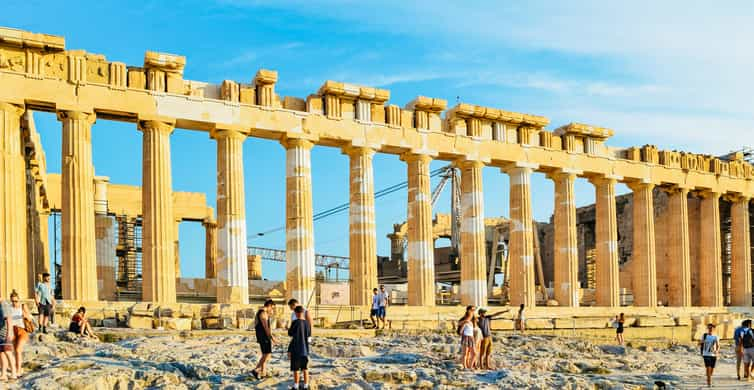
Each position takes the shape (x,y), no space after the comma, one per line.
(293,387)
(255,373)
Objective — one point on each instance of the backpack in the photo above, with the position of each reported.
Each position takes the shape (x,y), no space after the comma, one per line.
(748,338)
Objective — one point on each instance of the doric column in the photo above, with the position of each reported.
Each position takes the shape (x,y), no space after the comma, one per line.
(362,230)
(740,294)
(607,269)
(420,253)
(473,245)
(679,269)
(521,238)
(79,272)
(44,241)
(210,249)
(299,226)
(255,267)
(13,249)
(158,259)
(105,246)
(711,267)
(566,266)
(177,248)
(232,269)
(644,275)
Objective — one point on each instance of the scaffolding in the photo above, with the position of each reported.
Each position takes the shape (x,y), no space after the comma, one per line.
(128,252)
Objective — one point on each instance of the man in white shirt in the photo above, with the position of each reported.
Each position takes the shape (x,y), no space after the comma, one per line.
(383,301)
(375,312)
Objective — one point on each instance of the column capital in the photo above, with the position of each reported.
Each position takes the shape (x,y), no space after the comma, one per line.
(470,163)
(218,133)
(563,173)
(411,157)
(736,197)
(640,185)
(676,189)
(604,179)
(519,166)
(156,125)
(17,109)
(63,115)
(354,151)
(706,194)
(289,142)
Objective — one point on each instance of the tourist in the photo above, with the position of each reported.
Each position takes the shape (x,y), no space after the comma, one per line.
(486,327)
(737,335)
(19,313)
(467,340)
(374,313)
(383,302)
(45,301)
(477,343)
(470,309)
(710,348)
(746,343)
(6,343)
(264,336)
(618,324)
(298,350)
(293,304)
(80,324)
(521,319)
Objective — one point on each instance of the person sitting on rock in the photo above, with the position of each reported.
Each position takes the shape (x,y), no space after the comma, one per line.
(298,350)
(80,324)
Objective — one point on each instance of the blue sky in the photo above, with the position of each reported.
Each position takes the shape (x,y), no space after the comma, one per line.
(673,74)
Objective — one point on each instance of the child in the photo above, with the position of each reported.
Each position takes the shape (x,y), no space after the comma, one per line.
(298,351)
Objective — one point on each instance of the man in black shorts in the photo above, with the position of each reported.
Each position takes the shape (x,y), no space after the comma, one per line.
(264,335)
(298,351)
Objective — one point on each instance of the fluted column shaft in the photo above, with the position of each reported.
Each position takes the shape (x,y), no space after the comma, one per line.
(740,294)
(644,277)
(566,275)
(362,229)
(210,249)
(158,257)
(711,267)
(79,272)
(607,269)
(299,226)
(13,249)
(232,268)
(177,248)
(473,244)
(521,239)
(679,270)
(421,257)
(44,242)
(105,246)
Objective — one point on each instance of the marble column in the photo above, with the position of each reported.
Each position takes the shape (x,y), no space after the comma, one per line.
(521,238)
(644,271)
(473,248)
(158,259)
(299,229)
(232,268)
(740,294)
(607,269)
(210,249)
(566,266)
(420,252)
(710,267)
(105,247)
(679,271)
(44,241)
(79,269)
(13,249)
(177,248)
(362,230)
(255,267)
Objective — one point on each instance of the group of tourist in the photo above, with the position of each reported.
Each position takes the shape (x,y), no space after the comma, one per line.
(743,337)
(475,329)
(300,331)
(380,300)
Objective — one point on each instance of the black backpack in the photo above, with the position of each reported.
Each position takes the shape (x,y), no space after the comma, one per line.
(748,339)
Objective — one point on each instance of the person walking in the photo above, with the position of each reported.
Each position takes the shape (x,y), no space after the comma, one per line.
(746,343)
(374,313)
(521,319)
(383,303)
(19,313)
(485,350)
(264,336)
(6,343)
(619,322)
(710,347)
(298,350)
(739,348)
(45,301)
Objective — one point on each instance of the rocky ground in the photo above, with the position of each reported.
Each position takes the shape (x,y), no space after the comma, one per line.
(219,360)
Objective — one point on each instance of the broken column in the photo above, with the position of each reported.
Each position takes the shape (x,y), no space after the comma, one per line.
(710,267)
(566,277)
(644,276)
(105,233)
(521,239)
(210,249)
(740,294)
(362,231)
(13,249)
(679,275)
(255,267)
(607,282)
(299,226)
(473,245)
(79,271)
(231,267)
(158,259)
(420,253)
